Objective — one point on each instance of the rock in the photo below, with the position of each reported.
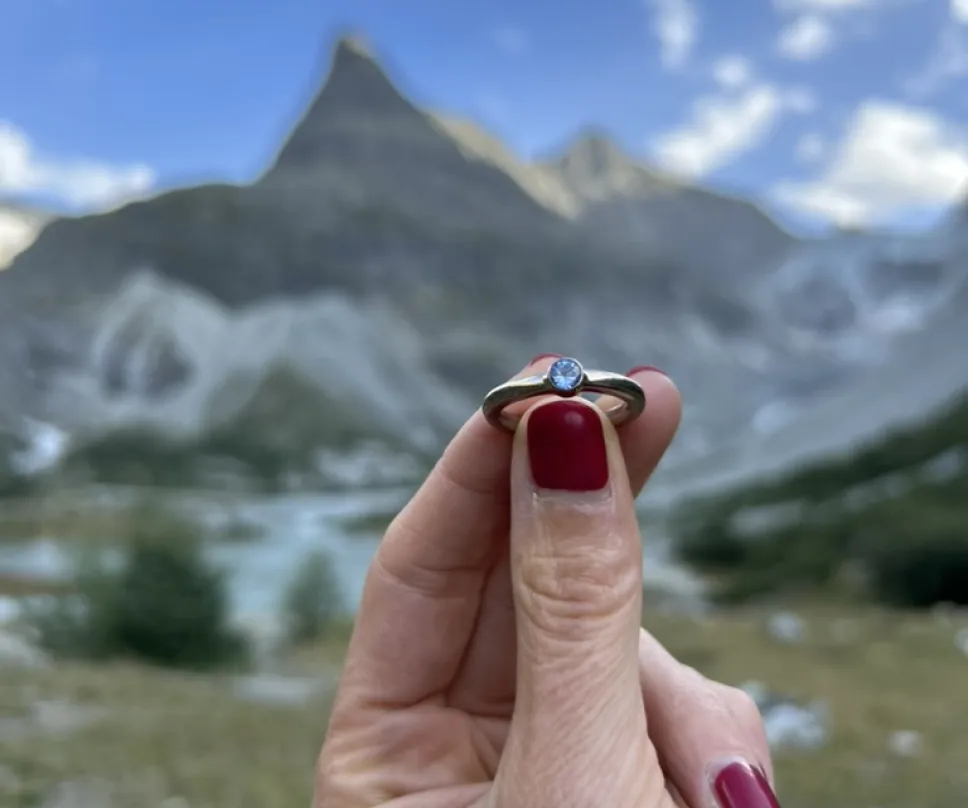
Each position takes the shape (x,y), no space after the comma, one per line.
(758,691)
(10,610)
(961,641)
(789,725)
(794,726)
(786,627)
(905,743)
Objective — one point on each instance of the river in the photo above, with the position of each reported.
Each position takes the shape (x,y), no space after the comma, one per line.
(289,527)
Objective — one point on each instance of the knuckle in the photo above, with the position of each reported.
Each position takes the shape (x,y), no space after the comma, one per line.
(742,706)
(561,589)
(568,613)
(340,782)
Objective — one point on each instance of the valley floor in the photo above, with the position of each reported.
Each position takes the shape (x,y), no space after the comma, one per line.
(121,736)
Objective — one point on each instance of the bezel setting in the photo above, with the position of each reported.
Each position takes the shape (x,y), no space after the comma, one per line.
(566,376)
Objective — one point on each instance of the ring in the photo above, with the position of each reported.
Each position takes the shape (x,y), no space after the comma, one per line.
(566,378)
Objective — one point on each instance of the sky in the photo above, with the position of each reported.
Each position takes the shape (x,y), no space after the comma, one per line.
(827,112)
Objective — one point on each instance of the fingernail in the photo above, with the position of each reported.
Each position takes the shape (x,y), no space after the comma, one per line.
(646,369)
(541,356)
(566,447)
(739,785)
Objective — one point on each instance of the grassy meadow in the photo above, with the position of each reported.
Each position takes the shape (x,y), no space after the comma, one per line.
(156,735)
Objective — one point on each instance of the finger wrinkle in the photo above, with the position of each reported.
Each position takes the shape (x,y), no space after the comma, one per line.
(482,491)
(452,583)
(477,464)
(450,506)
(438,541)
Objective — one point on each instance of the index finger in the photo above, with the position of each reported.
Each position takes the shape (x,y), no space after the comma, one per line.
(422,593)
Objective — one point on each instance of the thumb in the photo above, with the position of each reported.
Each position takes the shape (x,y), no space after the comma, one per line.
(576,569)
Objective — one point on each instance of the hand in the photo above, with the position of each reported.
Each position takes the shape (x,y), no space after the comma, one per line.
(497,659)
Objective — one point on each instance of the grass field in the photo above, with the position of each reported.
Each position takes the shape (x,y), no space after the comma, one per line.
(158,735)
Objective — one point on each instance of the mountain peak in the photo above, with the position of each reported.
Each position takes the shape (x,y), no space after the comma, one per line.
(594,139)
(352,46)
(356,78)
(357,93)
(595,166)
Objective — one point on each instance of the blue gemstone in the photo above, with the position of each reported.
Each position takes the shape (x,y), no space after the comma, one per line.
(565,375)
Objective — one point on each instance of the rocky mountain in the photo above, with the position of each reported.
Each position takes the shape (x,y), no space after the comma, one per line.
(362,146)
(625,203)
(392,264)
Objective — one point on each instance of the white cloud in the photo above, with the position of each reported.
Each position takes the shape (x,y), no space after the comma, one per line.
(732,71)
(959,11)
(512,40)
(17,233)
(79,182)
(893,160)
(725,126)
(810,147)
(676,24)
(806,38)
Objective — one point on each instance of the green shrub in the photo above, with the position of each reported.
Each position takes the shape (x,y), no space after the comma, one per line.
(162,603)
(902,450)
(912,549)
(921,576)
(12,483)
(918,557)
(711,545)
(313,599)
(908,542)
(797,558)
(69,625)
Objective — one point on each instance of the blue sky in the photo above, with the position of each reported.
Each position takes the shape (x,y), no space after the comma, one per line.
(851,111)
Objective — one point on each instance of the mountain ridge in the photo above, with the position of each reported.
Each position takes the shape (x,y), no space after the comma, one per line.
(475,258)
(521,200)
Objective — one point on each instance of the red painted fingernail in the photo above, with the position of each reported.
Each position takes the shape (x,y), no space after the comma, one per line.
(566,447)
(541,356)
(741,786)
(646,369)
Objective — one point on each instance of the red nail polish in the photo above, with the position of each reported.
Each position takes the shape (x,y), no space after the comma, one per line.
(541,356)
(646,369)
(566,447)
(742,786)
